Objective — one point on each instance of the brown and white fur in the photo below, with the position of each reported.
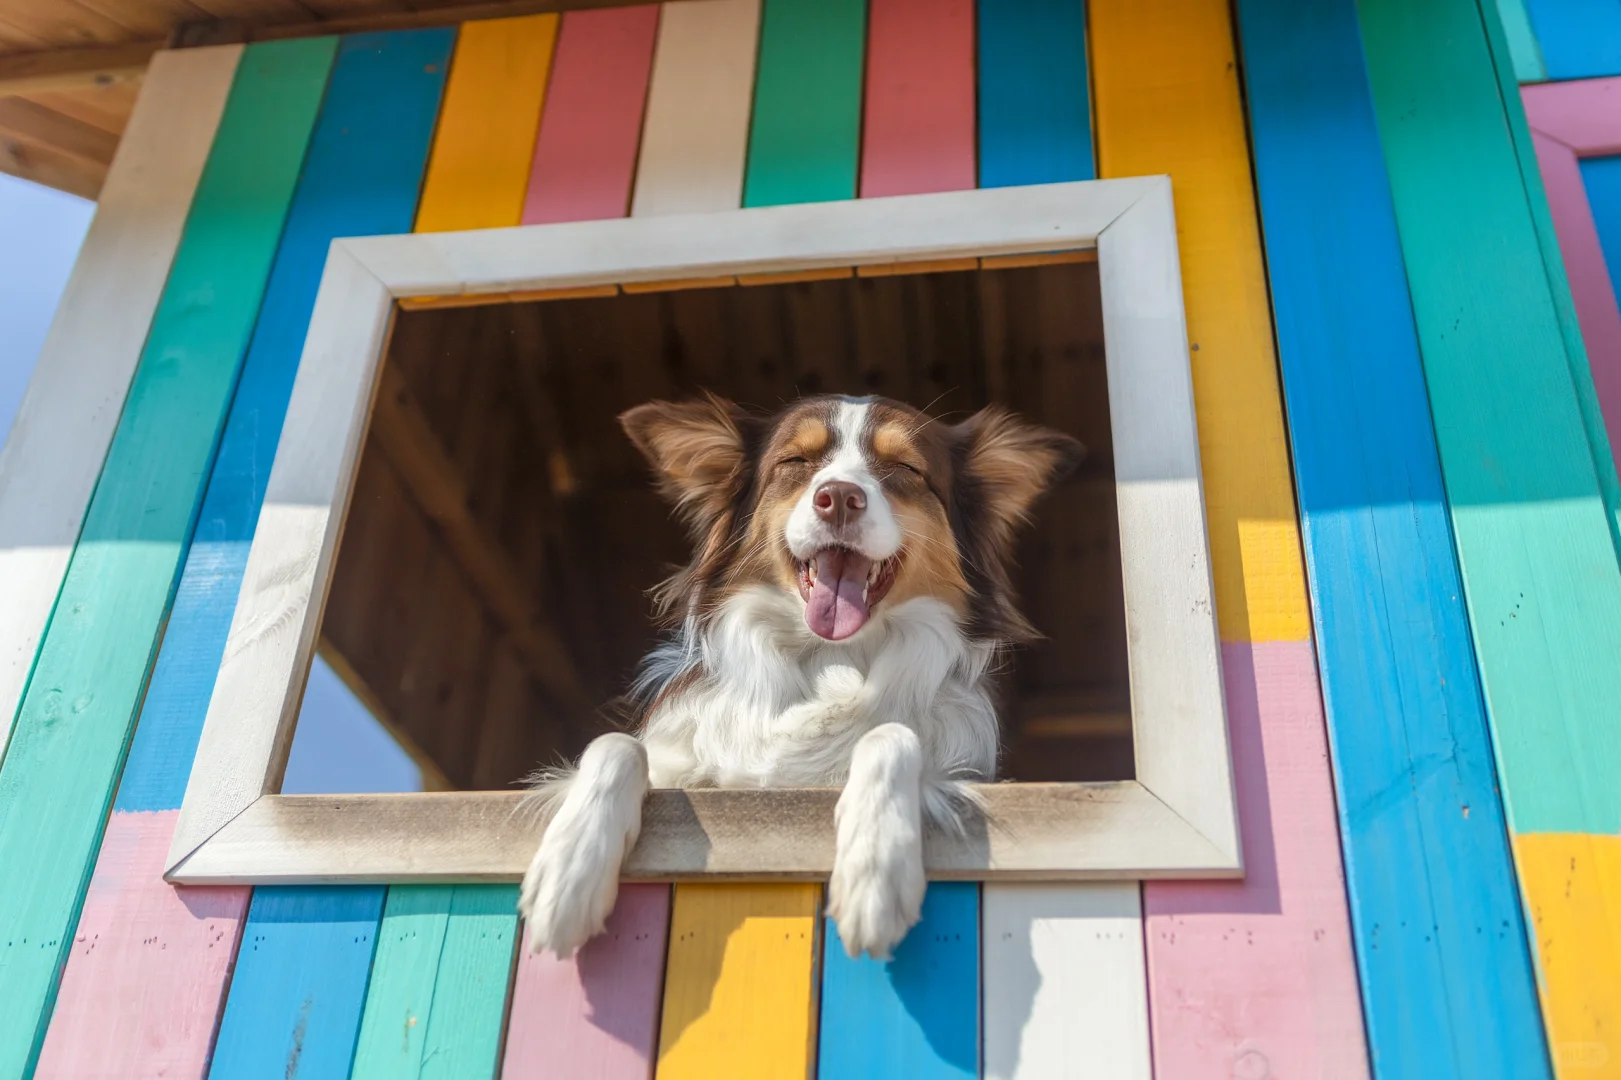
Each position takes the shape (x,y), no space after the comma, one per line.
(837,625)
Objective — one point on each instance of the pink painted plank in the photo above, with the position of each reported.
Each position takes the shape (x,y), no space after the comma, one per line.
(1255,978)
(585,154)
(918,127)
(147,974)
(1585,116)
(595,1017)
(1590,285)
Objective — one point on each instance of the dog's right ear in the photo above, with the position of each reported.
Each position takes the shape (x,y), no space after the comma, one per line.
(700,450)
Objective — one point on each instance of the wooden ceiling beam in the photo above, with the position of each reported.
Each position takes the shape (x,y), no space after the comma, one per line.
(52,168)
(31,122)
(403,432)
(74,69)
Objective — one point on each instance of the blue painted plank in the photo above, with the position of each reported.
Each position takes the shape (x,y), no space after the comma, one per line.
(1438,930)
(300,981)
(1602,179)
(361,178)
(916,1016)
(1580,39)
(1035,113)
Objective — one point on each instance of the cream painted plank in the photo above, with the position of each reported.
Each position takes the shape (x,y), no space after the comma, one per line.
(695,135)
(50,463)
(1065,982)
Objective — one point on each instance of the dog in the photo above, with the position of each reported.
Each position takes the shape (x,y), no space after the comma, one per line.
(838,625)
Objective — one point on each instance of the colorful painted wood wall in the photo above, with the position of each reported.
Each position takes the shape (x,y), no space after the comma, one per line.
(1411,493)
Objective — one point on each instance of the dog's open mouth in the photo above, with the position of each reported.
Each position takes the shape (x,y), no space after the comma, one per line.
(840,587)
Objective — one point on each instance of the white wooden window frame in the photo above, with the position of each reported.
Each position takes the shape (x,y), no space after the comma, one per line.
(1177,819)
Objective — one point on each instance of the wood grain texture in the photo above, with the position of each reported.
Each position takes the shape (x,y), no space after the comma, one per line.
(1035,109)
(1572,880)
(1440,938)
(299,983)
(360,177)
(1539,565)
(438,990)
(596,1015)
(65,423)
(1167,101)
(147,973)
(805,135)
(585,153)
(1578,39)
(479,170)
(94,658)
(916,1015)
(1065,987)
(918,114)
(740,988)
(695,137)
(1257,977)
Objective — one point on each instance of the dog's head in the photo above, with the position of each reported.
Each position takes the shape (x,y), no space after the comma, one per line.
(851,505)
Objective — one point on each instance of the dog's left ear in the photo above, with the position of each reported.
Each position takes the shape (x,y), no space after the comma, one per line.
(1009,463)
(700,450)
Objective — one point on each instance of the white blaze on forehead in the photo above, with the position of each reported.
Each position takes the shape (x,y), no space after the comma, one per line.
(877,535)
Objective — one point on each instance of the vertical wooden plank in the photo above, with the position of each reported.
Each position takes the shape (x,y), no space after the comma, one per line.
(301,975)
(1524,52)
(1253,977)
(696,134)
(1035,109)
(1579,39)
(57,778)
(438,987)
(1065,982)
(740,990)
(363,177)
(1533,536)
(486,137)
(1439,935)
(805,136)
(59,441)
(585,154)
(595,1016)
(916,1015)
(918,131)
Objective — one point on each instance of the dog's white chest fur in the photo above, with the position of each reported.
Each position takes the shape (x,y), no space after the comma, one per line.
(772,705)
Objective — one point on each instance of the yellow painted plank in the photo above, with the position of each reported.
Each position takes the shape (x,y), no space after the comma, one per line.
(480,165)
(740,986)
(1570,882)
(1158,57)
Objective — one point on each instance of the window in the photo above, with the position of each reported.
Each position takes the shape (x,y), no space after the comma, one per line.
(365,449)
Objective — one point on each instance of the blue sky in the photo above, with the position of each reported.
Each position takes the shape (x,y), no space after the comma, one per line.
(339,746)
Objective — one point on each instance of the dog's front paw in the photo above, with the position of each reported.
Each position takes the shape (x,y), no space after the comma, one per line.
(876,893)
(569,889)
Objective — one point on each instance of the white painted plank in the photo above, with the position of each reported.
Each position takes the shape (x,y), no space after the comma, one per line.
(1065,982)
(695,137)
(53,457)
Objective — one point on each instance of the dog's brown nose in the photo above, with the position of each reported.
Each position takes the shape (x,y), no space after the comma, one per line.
(839,503)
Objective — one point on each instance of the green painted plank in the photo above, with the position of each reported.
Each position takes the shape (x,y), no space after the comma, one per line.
(1540,572)
(805,136)
(1524,54)
(439,983)
(1581,373)
(74,723)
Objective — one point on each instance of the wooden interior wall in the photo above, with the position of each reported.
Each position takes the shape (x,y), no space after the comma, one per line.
(490,595)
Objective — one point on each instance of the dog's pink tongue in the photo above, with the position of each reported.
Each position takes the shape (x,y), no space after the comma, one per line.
(837,606)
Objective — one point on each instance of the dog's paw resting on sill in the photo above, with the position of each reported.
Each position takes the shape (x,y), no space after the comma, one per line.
(847,597)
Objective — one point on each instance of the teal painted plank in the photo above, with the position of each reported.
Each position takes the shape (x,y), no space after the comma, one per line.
(1035,112)
(805,136)
(74,723)
(439,983)
(1581,373)
(917,1015)
(1533,535)
(1524,53)
(1438,931)
(301,975)
(1579,39)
